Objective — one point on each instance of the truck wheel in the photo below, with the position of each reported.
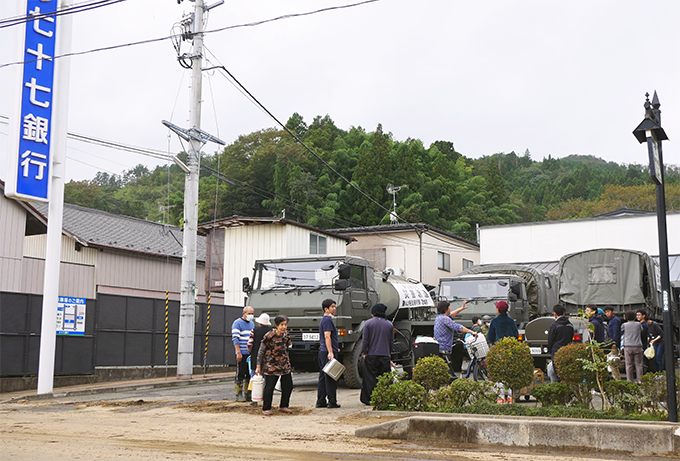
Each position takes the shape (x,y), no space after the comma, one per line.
(353,367)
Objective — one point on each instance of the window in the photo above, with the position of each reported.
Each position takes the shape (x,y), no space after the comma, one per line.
(356,277)
(444,261)
(317,244)
(467,263)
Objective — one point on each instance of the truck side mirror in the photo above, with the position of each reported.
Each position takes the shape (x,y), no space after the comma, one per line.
(344,271)
(340,285)
(512,297)
(246,284)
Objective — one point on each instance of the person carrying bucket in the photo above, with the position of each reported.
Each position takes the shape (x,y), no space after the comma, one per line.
(263,327)
(273,362)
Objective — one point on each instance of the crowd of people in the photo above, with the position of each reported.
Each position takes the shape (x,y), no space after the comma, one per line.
(266,349)
(632,338)
(263,350)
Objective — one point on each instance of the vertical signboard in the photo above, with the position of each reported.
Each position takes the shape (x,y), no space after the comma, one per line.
(71,316)
(30,140)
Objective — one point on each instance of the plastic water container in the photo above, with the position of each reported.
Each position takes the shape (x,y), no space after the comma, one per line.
(258,388)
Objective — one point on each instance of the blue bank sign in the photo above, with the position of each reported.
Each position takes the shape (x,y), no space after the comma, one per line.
(29,174)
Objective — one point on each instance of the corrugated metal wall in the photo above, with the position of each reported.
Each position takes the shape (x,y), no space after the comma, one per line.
(141,272)
(12,229)
(74,279)
(35,247)
(243,245)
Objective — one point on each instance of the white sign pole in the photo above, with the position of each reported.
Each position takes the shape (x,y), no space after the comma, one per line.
(48,332)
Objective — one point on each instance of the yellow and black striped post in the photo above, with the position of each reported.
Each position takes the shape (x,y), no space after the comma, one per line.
(167,295)
(207,331)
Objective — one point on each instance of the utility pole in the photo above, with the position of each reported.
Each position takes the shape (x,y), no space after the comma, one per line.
(187,309)
(197,138)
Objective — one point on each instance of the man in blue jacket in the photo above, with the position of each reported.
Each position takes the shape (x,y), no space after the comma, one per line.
(502,326)
(240,334)
(613,326)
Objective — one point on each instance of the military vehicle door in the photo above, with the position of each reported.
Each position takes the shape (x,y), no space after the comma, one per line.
(357,290)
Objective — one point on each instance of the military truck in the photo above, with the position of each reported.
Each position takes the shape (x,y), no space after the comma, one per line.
(624,279)
(536,337)
(529,292)
(296,287)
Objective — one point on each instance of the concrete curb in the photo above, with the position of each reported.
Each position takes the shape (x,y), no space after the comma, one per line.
(118,388)
(658,438)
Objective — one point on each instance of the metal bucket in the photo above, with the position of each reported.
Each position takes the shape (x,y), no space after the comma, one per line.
(334,369)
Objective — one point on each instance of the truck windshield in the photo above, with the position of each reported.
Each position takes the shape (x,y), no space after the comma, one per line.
(296,274)
(473,289)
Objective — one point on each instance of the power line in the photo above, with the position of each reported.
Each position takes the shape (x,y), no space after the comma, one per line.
(178,35)
(294,136)
(90,165)
(270,195)
(76,8)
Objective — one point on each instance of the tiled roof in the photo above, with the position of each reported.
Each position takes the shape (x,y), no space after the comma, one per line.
(102,229)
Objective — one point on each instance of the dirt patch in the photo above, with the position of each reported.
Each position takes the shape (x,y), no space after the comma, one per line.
(236,407)
(358,420)
(122,403)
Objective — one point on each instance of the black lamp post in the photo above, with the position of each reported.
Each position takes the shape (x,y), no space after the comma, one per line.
(650,131)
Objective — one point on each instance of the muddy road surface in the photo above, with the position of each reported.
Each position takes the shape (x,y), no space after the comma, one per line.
(203,422)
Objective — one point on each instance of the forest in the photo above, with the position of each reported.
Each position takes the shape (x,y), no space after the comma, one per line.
(344,183)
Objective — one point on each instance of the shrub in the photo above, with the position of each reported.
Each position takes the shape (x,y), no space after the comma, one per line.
(653,387)
(463,392)
(558,394)
(381,398)
(625,395)
(400,396)
(431,372)
(569,364)
(509,362)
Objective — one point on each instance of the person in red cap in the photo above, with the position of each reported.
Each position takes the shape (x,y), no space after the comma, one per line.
(502,326)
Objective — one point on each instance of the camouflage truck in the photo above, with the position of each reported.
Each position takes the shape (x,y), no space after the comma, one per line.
(529,292)
(296,287)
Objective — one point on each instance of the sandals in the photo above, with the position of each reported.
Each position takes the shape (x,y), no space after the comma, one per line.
(285,410)
(267,413)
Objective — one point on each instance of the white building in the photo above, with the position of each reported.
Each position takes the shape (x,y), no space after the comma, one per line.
(416,251)
(550,240)
(235,243)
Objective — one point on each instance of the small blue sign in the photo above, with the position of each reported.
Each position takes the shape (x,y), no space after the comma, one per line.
(71,315)
(33,167)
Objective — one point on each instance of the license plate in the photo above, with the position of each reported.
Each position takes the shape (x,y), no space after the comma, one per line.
(535,350)
(310,336)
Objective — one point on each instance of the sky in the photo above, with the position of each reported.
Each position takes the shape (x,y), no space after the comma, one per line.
(556,78)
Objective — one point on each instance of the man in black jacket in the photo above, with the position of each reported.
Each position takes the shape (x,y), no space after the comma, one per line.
(560,334)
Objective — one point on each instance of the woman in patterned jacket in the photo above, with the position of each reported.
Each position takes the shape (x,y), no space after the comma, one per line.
(274,363)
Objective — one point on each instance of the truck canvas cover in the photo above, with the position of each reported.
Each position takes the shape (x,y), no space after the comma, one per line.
(608,276)
(540,285)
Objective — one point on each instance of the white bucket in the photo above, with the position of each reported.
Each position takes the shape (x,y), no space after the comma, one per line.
(258,388)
